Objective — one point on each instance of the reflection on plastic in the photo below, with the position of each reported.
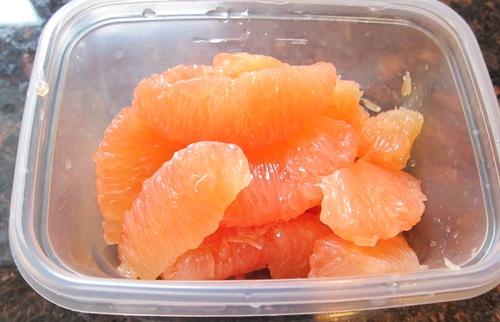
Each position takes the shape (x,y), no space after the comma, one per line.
(41,87)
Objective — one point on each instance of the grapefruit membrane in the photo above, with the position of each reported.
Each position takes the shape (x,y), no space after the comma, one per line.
(235,64)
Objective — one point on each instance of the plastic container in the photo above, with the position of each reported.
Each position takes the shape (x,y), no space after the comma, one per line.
(92,54)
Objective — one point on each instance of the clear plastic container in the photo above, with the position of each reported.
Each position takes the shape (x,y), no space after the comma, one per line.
(92,54)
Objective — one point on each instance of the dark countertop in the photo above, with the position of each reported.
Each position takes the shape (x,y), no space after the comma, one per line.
(18,302)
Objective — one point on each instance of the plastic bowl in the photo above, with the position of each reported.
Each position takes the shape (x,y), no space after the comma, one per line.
(92,54)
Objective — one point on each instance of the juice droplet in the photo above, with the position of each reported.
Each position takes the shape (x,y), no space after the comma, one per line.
(41,87)
(68,164)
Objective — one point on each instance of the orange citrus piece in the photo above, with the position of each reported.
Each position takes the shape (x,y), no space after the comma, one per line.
(292,244)
(253,110)
(345,104)
(284,247)
(182,73)
(365,203)
(387,138)
(235,64)
(334,257)
(130,152)
(228,252)
(286,174)
(181,204)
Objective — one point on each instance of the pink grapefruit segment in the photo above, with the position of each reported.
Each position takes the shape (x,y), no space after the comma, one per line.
(345,104)
(181,204)
(235,64)
(226,253)
(284,247)
(336,257)
(292,244)
(183,73)
(130,152)
(365,203)
(387,138)
(286,174)
(238,110)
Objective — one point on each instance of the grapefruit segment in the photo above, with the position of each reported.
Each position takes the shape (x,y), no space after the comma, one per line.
(387,138)
(226,253)
(292,244)
(365,203)
(284,247)
(180,205)
(130,152)
(235,64)
(345,104)
(182,73)
(286,174)
(334,257)
(238,110)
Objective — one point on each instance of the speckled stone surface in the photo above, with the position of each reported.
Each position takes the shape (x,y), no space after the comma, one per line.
(18,302)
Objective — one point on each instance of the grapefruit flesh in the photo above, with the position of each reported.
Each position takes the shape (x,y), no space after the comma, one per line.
(235,64)
(387,138)
(251,163)
(181,204)
(238,110)
(336,257)
(286,174)
(292,245)
(365,203)
(345,104)
(284,247)
(130,152)
(228,252)
(182,73)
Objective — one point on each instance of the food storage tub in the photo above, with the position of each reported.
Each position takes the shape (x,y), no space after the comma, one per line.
(92,54)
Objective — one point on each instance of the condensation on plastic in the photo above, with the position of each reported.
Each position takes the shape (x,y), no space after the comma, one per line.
(92,54)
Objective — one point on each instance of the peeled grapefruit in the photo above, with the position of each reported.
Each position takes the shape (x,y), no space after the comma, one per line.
(181,204)
(252,110)
(228,252)
(235,64)
(286,174)
(365,203)
(130,152)
(335,257)
(345,104)
(292,245)
(387,138)
(284,247)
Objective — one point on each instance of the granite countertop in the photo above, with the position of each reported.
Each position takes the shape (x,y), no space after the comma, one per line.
(18,302)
